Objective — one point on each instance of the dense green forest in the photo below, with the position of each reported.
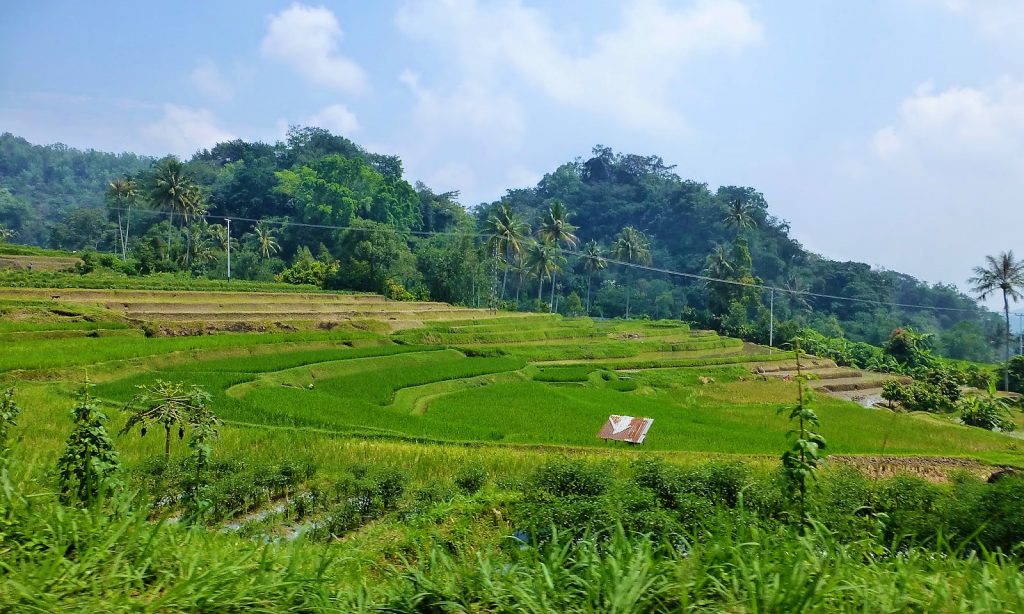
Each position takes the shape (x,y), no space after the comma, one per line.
(553,247)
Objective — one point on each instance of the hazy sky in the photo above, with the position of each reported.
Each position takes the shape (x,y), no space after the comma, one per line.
(886,131)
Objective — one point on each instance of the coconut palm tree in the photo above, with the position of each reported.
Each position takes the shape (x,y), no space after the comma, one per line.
(544,261)
(266,243)
(203,240)
(556,229)
(594,262)
(521,269)
(631,246)
(1005,274)
(123,191)
(505,232)
(170,187)
(219,234)
(739,216)
(719,264)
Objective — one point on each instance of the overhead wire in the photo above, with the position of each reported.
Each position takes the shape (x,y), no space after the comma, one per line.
(633,265)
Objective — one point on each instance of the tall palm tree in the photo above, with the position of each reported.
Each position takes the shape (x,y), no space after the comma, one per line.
(203,240)
(631,246)
(505,232)
(544,261)
(556,229)
(594,262)
(797,291)
(739,217)
(719,263)
(1006,274)
(123,191)
(170,187)
(266,242)
(520,268)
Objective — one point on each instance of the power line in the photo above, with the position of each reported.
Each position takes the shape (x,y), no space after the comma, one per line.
(766,287)
(649,268)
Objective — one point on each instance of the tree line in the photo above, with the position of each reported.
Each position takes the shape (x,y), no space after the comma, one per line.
(541,248)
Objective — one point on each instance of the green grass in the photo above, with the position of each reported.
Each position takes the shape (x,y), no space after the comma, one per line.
(65,353)
(11,249)
(352,401)
(156,281)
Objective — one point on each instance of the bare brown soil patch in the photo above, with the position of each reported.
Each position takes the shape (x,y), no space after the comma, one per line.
(38,263)
(935,469)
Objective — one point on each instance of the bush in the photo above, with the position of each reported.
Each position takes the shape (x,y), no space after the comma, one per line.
(990,413)
(720,483)
(909,505)
(570,478)
(470,479)
(396,291)
(1016,368)
(842,502)
(896,392)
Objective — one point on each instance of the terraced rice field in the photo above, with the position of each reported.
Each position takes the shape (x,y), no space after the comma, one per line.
(360,366)
(192,312)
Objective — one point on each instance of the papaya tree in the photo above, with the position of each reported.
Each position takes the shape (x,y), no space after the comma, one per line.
(168,405)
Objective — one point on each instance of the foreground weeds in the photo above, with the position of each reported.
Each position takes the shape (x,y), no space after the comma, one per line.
(714,553)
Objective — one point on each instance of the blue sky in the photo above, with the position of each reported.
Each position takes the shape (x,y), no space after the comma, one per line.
(886,131)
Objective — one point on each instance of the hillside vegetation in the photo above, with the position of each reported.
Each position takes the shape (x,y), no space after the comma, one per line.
(407,241)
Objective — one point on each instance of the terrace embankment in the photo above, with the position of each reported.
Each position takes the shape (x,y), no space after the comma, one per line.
(177,312)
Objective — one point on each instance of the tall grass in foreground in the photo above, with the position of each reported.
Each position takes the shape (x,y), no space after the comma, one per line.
(56,558)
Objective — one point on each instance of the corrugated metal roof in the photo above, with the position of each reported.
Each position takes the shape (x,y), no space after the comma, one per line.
(625,428)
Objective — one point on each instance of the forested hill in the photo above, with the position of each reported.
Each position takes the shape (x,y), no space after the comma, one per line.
(55,196)
(44,183)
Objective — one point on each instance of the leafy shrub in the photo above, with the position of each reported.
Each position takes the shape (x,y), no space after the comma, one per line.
(896,392)
(718,483)
(470,479)
(1000,512)
(990,413)
(1016,368)
(976,377)
(309,270)
(570,478)
(396,291)
(843,502)
(909,505)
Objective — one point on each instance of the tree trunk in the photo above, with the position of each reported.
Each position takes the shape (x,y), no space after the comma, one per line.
(167,443)
(540,288)
(127,224)
(504,277)
(120,234)
(552,305)
(627,300)
(589,279)
(1006,370)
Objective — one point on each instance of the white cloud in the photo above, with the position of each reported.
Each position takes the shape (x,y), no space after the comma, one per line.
(184,130)
(471,111)
(934,190)
(959,124)
(308,39)
(626,74)
(207,78)
(1000,19)
(336,118)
